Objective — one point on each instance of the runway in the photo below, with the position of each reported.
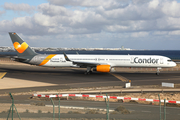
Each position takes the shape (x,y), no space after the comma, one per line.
(25,78)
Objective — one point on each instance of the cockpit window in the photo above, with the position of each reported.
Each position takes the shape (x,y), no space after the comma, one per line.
(169,60)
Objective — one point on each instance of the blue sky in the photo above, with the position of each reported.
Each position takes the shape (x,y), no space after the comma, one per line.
(136,24)
(30,2)
(11,14)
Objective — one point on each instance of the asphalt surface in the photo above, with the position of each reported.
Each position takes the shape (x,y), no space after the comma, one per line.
(65,78)
(138,111)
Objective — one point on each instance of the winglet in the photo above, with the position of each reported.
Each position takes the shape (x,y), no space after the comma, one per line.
(66,57)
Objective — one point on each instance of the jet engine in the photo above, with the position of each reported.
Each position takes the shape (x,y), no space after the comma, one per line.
(102,68)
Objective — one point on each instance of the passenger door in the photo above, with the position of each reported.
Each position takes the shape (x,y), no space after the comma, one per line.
(161,60)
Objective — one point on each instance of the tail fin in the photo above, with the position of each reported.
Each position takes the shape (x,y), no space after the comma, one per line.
(22,48)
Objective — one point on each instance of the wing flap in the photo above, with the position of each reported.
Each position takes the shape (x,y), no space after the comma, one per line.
(89,64)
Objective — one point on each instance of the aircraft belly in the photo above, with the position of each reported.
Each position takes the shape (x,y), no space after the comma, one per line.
(58,64)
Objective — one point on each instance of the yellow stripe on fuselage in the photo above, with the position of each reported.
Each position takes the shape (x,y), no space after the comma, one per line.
(47,59)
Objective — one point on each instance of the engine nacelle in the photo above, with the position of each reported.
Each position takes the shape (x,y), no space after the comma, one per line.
(102,68)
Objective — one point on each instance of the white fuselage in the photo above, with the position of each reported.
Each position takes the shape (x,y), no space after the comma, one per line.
(112,60)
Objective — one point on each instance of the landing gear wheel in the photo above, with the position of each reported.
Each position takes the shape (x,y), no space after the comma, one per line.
(87,73)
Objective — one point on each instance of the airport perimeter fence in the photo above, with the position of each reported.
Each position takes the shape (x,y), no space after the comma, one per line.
(45,107)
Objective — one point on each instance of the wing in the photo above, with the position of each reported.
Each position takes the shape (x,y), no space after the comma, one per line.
(83,64)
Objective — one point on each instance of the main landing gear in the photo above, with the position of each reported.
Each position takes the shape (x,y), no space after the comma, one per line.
(88,71)
(158,71)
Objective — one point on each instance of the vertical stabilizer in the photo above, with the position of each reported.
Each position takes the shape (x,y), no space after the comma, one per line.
(21,47)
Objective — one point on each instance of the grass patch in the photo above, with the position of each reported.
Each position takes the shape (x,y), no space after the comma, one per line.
(39,111)
(172,105)
(27,111)
(92,112)
(125,111)
(122,109)
(4,112)
(133,101)
(121,101)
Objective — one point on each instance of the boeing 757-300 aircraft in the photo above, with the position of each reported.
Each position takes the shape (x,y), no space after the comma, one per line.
(100,63)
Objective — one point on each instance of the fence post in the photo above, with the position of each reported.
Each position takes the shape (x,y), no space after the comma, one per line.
(107,107)
(164,109)
(159,107)
(59,106)
(12,107)
(53,109)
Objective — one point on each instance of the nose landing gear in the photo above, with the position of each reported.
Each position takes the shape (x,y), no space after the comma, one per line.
(158,71)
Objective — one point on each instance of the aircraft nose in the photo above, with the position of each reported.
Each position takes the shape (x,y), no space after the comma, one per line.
(174,64)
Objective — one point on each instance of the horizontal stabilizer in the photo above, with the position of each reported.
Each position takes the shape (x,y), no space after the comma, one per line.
(18,59)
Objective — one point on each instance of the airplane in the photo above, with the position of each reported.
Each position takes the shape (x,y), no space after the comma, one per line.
(100,63)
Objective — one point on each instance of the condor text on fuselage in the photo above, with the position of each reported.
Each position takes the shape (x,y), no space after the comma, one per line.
(144,60)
